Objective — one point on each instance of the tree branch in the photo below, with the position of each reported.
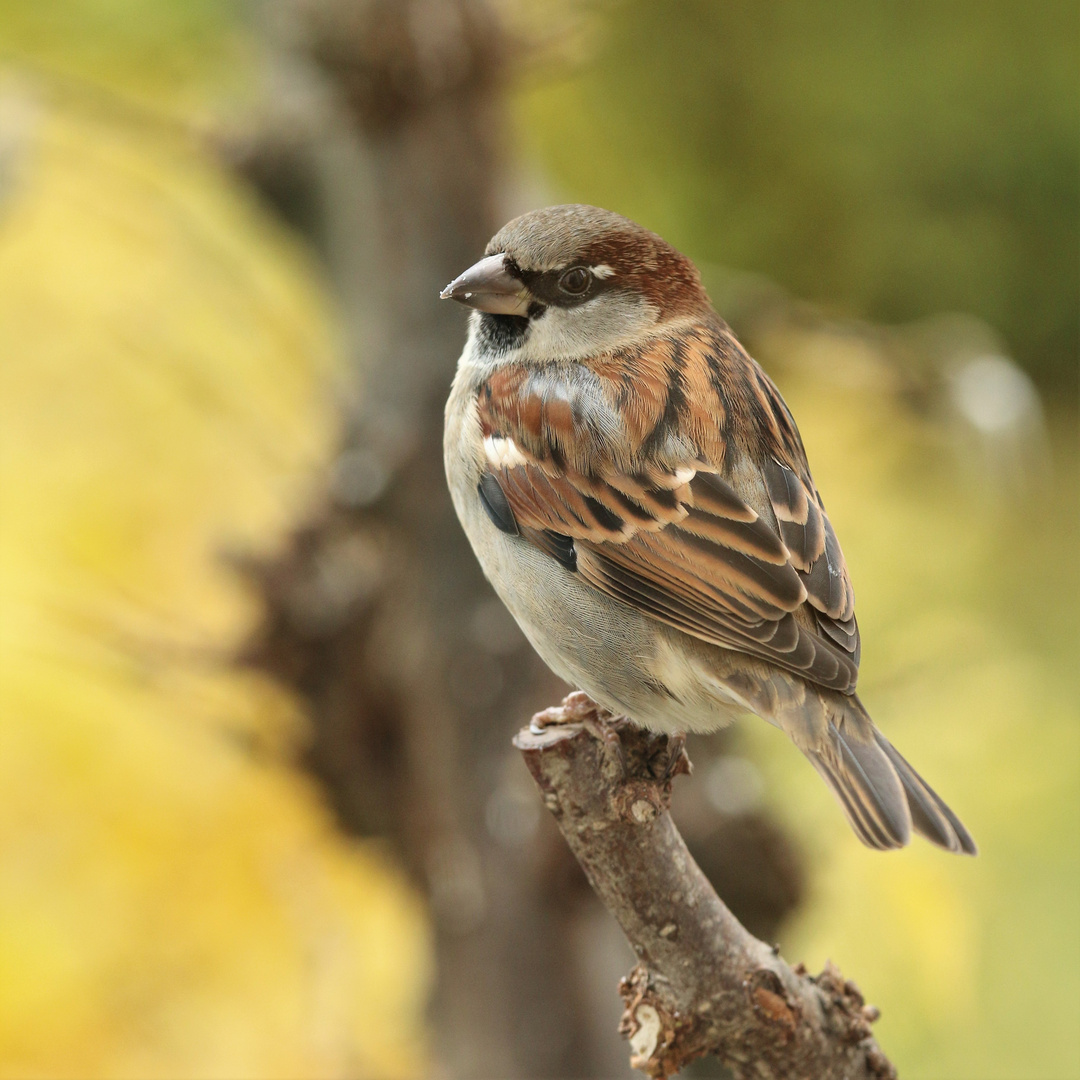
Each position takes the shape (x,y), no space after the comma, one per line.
(703,985)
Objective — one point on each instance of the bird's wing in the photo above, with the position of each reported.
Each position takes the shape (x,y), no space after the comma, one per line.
(622,471)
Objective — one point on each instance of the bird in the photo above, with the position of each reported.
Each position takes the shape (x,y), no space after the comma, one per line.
(637,493)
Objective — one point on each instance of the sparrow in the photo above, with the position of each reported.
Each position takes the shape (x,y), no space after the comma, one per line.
(637,492)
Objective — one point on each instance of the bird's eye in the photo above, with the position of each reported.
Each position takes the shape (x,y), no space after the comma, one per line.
(575,281)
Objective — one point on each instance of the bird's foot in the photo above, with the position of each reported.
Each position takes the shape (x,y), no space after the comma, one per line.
(605,730)
(602,725)
(676,760)
(576,708)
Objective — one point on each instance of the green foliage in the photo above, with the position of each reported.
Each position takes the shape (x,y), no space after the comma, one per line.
(167,53)
(888,160)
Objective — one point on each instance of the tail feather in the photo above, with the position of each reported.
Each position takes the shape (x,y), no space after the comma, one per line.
(854,810)
(929,814)
(866,784)
(881,795)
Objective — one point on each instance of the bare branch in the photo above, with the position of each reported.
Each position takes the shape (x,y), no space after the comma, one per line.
(702,985)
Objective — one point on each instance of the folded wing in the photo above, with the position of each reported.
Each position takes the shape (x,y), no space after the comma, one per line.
(673,538)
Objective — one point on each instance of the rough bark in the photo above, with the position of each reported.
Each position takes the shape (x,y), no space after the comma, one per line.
(703,985)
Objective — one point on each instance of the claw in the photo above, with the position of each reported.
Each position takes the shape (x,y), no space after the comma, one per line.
(541,721)
(678,761)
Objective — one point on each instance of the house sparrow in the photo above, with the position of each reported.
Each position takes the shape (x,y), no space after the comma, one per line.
(637,492)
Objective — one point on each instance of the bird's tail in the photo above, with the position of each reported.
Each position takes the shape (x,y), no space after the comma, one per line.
(882,796)
(929,814)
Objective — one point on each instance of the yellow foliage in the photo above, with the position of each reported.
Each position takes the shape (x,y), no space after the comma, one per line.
(171,904)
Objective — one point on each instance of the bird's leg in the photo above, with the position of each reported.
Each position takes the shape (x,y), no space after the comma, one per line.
(605,729)
(678,761)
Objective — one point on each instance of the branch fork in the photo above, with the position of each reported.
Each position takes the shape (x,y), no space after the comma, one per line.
(702,984)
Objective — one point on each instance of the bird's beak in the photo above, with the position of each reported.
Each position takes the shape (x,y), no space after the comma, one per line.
(489,286)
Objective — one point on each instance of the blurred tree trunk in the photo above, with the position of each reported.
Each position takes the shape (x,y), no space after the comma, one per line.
(379,615)
(382,143)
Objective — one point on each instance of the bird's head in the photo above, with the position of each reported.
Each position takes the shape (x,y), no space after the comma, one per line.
(572,281)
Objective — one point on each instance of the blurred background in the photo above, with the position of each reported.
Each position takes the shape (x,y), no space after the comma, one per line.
(259,816)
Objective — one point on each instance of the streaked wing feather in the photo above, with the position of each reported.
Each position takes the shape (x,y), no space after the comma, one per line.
(783,641)
(719,579)
(809,536)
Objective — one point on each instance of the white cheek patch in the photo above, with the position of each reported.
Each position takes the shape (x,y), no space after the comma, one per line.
(599,324)
(503,453)
(602,271)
